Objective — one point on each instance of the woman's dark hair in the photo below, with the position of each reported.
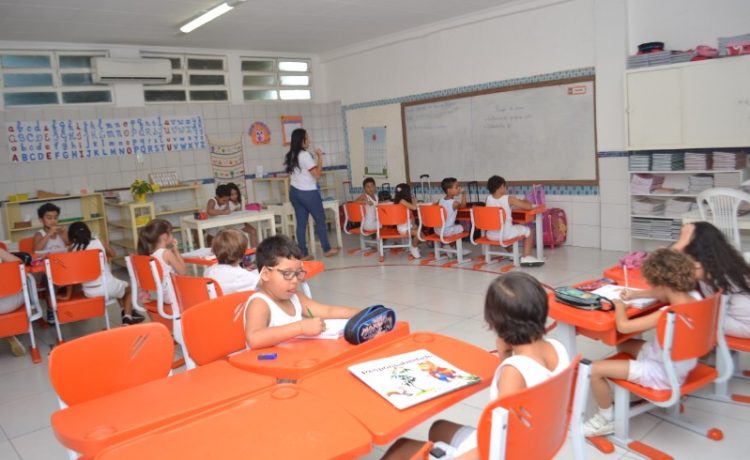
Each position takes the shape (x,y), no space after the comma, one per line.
(494,183)
(269,251)
(45,208)
(79,236)
(724,266)
(403,192)
(291,160)
(149,235)
(516,308)
(233,186)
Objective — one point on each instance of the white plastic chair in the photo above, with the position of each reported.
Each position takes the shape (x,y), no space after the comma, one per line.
(719,206)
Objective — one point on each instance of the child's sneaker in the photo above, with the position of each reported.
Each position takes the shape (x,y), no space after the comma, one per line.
(415,252)
(16,347)
(598,425)
(50,317)
(127,320)
(531,261)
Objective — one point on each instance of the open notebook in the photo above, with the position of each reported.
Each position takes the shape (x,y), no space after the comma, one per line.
(612,292)
(411,378)
(334,330)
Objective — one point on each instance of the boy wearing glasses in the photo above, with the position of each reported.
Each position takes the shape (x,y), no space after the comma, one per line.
(277,312)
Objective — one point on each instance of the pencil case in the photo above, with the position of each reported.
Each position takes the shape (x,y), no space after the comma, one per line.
(582,299)
(369,323)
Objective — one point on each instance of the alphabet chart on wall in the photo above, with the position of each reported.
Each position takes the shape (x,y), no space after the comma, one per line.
(376,151)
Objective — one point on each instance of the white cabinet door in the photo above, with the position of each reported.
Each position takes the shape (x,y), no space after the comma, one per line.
(654,109)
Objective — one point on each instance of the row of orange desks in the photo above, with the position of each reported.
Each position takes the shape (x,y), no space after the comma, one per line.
(329,414)
(521,216)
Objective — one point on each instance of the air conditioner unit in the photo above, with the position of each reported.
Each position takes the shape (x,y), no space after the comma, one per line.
(108,70)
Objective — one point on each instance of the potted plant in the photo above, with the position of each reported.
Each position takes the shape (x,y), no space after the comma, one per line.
(139,189)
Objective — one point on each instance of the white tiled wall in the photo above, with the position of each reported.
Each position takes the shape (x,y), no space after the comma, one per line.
(615,202)
(582,212)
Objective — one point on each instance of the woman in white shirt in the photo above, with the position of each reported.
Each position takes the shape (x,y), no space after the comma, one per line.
(305,170)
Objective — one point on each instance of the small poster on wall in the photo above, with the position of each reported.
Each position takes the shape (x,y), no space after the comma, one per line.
(259,133)
(288,125)
(376,152)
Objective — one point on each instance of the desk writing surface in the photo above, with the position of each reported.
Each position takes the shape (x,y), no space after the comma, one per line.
(384,421)
(635,278)
(299,357)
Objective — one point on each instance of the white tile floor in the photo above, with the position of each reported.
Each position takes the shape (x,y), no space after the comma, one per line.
(448,301)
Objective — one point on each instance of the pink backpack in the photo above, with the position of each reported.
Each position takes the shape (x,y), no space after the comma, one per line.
(555,225)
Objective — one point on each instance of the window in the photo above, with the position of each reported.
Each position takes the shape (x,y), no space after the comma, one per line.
(274,79)
(194,78)
(29,78)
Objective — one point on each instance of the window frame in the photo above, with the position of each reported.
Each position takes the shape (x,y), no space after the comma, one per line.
(277,87)
(185,74)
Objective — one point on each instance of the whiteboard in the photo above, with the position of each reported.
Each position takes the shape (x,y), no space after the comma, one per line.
(540,134)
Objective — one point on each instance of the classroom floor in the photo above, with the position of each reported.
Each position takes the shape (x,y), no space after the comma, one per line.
(448,301)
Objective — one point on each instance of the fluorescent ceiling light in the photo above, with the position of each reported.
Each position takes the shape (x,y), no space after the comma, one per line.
(209,15)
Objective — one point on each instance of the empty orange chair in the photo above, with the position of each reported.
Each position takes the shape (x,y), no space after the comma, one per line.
(491,219)
(684,331)
(3,246)
(26,245)
(215,328)
(433,216)
(388,217)
(19,321)
(313,269)
(355,213)
(69,269)
(192,290)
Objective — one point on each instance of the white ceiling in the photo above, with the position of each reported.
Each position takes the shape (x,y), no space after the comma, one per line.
(305,26)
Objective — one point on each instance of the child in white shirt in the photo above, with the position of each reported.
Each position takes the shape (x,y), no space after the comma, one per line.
(156,239)
(451,204)
(51,237)
(229,247)
(369,198)
(235,204)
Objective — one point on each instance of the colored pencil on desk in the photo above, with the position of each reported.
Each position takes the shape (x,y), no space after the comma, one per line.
(625,271)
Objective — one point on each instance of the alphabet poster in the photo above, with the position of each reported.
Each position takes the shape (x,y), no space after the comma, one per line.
(31,141)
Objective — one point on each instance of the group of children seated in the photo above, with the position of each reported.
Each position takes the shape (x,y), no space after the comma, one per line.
(453,200)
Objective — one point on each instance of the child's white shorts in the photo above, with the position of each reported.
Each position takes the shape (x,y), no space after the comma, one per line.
(648,369)
(451,230)
(509,233)
(115,289)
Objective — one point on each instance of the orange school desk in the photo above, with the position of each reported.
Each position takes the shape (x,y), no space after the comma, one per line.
(283,422)
(521,216)
(380,417)
(297,358)
(94,425)
(635,279)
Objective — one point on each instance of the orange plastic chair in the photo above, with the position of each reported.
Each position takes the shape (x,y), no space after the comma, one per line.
(492,219)
(215,328)
(3,246)
(69,269)
(388,217)
(19,321)
(684,331)
(26,245)
(355,213)
(192,290)
(313,269)
(433,216)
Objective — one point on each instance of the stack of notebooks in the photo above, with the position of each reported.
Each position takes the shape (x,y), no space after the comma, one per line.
(648,206)
(662,229)
(726,180)
(668,161)
(675,207)
(724,42)
(700,182)
(730,160)
(640,162)
(643,184)
(659,58)
(696,161)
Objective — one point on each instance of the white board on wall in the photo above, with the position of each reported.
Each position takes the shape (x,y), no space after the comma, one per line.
(383,115)
(544,133)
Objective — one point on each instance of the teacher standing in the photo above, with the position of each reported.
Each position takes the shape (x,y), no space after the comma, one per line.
(305,169)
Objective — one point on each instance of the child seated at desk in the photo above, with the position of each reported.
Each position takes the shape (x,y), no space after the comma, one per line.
(404,197)
(51,238)
(451,204)
(499,198)
(229,247)
(516,309)
(274,314)
(235,204)
(671,275)
(369,198)
(155,239)
(218,206)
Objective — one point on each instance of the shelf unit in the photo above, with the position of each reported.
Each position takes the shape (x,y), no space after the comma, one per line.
(327,181)
(173,202)
(124,221)
(87,208)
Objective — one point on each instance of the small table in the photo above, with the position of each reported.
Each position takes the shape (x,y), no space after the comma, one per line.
(379,416)
(297,358)
(235,218)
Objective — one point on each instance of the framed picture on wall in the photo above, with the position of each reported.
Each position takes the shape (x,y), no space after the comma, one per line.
(288,125)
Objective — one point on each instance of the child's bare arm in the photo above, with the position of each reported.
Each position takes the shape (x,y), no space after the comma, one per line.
(627,325)
(259,335)
(40,241)
(520,203)
(325,311)
(174,259)
(457,204)
(212,211)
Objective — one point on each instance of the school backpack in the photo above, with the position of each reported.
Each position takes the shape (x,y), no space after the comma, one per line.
(555,226)
(385,192)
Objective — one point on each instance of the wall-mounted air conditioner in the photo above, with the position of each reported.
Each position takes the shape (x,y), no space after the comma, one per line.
(108,70)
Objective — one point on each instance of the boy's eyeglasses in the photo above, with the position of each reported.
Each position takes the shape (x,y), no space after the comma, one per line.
(290,274)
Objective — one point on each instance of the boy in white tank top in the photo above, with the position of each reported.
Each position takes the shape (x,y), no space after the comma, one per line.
(516,309)
(451,204)
(369,198)
(277,312)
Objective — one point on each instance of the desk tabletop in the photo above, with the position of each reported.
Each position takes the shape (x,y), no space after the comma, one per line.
(228,219)
(635,279)
(278,423)
(520,216)
(297,358)
(380,417)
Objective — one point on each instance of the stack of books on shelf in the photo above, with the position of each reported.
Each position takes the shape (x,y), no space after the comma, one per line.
(643,184)
(661,229)
(730,160)
(726,180)
(648,206)
(675,207)
(700,182)
(696,161)
(640,162)
(659,58)
(668,161)
(726,42)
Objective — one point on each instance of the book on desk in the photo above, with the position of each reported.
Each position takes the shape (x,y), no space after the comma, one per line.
(612,292)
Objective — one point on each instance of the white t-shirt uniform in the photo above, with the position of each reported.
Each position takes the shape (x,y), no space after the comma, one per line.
(219,207)
(278,317)
(302,178)
(115,287)
(233,278)
(369,220)
(510,230)
(54,244)
(451,227)
(166,270)
(737,320)
(234,206)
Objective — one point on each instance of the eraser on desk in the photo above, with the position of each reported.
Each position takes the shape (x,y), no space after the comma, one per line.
(267,356)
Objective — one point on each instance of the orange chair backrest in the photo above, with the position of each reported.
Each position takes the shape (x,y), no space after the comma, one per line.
(538,418)
(26,245)
(215,328)
(142,270)
(354,212)
(105,362)
(75,267)
(12,283)
(313,267)
(192,290)
(432,215)
(392,214)
(3,246)
(695,327)
(488,217)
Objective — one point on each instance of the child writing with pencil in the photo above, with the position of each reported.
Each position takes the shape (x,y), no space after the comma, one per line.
(277,312)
